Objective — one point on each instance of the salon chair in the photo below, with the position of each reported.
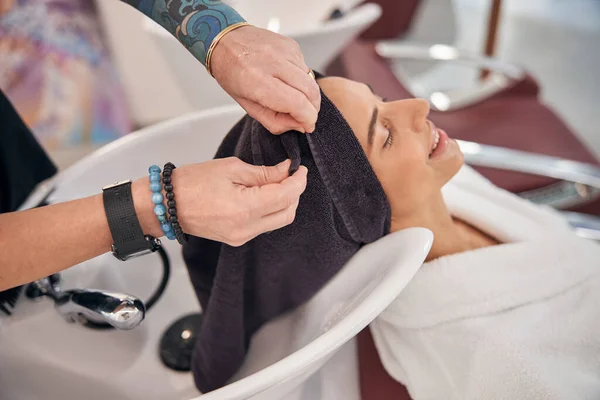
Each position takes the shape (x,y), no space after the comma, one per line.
(311,336)
(288,364)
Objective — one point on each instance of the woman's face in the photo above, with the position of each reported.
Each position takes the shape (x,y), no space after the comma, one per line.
(400,143)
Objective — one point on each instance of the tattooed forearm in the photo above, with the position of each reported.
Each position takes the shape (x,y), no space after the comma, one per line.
(194,23)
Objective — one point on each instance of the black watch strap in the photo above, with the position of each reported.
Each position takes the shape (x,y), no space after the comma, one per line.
(127,234)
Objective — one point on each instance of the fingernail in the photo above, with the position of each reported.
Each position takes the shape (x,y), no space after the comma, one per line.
(284,164)
(301,167)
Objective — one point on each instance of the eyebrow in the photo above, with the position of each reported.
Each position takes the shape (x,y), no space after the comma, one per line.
(371,135)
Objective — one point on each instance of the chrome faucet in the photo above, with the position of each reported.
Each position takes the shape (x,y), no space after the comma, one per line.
(85,306)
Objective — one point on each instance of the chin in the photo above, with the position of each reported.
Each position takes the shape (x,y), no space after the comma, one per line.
(451,166)
(460,157)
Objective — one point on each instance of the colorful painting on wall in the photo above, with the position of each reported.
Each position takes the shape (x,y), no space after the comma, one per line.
(56,70)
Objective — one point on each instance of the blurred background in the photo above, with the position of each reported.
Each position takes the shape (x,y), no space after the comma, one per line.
(500,75)
(557,41)
(83,73)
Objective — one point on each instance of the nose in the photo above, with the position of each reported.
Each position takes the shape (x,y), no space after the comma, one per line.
(420,111)
(415,111)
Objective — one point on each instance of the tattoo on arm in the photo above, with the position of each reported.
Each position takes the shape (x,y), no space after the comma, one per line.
(195,23)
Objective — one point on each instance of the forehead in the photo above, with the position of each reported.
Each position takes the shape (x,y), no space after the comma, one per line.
(354,100)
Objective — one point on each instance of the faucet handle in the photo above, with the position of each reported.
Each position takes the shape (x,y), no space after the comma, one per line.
(120,310)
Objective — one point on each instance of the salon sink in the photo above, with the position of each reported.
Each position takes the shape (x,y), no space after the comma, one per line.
(45,357)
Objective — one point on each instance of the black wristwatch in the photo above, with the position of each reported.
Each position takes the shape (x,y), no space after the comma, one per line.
(128,237)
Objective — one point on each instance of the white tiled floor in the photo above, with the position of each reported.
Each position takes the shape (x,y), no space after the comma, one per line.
(558,41)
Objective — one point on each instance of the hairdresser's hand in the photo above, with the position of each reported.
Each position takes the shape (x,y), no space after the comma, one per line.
(265,73)
(232,202)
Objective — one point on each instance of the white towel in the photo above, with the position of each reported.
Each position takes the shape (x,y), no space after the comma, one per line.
(519,320)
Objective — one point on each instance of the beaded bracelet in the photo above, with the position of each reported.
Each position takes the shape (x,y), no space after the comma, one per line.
(157,198)
(179,234)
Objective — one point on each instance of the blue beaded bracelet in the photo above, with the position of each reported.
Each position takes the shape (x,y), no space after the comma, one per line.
(157,198)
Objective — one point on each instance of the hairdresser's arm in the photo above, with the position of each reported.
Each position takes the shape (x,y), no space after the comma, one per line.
(263,71)
(225,200)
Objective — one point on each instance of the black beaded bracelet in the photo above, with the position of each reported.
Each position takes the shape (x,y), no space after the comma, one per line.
(171,204)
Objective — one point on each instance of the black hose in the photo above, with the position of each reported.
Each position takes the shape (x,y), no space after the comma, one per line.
(155,296)
(165,279)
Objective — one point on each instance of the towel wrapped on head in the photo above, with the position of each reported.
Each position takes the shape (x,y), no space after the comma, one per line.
(241,288)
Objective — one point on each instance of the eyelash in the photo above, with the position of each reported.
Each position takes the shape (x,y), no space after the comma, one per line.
(390,138)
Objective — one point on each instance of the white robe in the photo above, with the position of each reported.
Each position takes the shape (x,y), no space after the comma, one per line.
(520,320)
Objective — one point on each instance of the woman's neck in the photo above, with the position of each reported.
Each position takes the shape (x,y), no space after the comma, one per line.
(451,236)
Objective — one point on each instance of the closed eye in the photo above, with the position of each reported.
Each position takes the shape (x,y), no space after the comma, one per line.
(390,139)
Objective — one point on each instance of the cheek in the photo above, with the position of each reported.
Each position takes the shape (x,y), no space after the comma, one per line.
(407,181)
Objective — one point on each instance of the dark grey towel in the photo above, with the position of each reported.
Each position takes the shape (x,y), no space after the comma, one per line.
(240,289)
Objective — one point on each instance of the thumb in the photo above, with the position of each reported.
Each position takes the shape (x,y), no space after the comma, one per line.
(260,175)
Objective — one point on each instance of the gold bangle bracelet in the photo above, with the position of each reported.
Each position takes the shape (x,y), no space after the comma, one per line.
(216,40)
